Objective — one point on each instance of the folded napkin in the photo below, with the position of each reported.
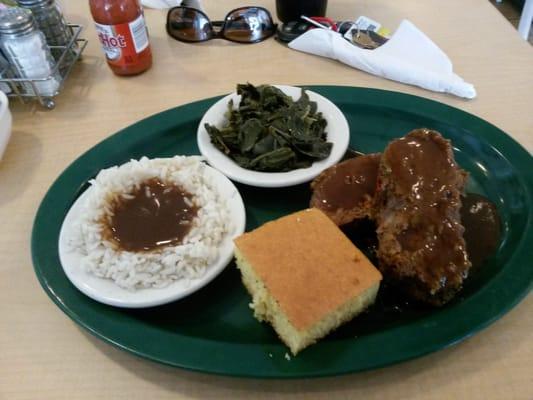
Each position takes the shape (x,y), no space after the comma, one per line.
(408,57)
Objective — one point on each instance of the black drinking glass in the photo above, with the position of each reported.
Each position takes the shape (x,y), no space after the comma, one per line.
(242,25)
(292,10)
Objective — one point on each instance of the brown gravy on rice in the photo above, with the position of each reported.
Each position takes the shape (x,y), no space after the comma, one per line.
(153,215)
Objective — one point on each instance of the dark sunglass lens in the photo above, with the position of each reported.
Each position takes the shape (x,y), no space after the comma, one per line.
(189,25)
(249,25)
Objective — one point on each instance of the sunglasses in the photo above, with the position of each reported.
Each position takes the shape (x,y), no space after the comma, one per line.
(242,25)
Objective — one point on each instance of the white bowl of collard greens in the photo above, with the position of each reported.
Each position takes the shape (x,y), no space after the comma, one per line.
(273,135)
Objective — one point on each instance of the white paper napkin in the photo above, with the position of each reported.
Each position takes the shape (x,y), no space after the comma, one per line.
(408,57)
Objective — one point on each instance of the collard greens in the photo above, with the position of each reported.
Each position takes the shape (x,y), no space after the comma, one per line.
(269,131)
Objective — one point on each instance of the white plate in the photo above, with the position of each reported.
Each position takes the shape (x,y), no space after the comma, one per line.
(107,292)
(337,129)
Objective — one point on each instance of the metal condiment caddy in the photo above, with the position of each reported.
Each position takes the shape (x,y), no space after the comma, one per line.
(28,89)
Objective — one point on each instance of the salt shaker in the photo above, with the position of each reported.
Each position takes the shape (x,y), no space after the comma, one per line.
(50,21)
(25,48)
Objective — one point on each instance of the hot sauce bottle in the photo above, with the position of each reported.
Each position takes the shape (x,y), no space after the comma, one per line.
(123,35)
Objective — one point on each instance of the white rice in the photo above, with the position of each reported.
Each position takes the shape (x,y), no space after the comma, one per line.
(161,267)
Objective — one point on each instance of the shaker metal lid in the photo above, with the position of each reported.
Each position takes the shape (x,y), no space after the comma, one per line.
(30,3)
(15,20)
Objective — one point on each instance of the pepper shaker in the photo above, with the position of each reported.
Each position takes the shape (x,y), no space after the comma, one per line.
(26,50)
(5,73)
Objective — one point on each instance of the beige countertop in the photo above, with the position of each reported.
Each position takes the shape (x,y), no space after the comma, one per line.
(44,355)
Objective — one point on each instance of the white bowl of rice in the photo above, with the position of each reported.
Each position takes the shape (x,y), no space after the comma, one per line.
(133,279)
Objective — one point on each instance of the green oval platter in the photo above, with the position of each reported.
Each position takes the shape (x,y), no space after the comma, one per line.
(214,331)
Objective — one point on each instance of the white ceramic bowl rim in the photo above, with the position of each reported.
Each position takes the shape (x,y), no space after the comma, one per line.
(4,103)
(5,123)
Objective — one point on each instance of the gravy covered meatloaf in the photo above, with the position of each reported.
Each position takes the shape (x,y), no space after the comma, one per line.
(418,196)
(345,192)
(305,276)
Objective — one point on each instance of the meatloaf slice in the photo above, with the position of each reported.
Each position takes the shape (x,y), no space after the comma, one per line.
(345,191)
(418,198)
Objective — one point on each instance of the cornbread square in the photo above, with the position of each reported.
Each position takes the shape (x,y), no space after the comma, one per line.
(305,276)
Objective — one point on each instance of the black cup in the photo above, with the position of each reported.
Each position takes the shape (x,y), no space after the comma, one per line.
(292,10)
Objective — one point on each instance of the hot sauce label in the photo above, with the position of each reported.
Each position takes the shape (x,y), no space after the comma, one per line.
(123,42)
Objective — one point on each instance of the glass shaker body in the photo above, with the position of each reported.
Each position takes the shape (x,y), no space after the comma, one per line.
(26,50)
(5,73)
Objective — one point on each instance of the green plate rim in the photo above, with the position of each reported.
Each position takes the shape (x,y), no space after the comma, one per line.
(496,290)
